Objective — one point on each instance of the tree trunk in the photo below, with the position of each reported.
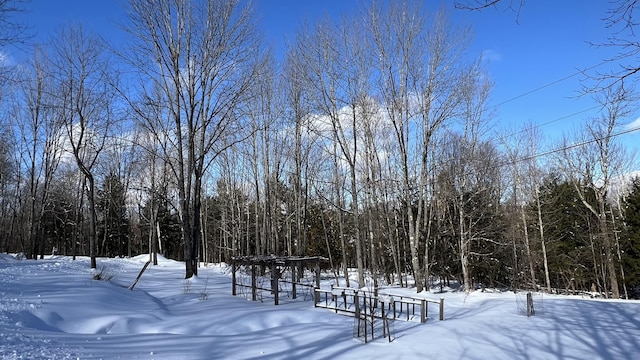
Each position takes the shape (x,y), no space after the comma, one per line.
(464,247)
(543,241)
(611,268)
(93,234)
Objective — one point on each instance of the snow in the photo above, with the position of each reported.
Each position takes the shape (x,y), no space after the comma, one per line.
(52,309)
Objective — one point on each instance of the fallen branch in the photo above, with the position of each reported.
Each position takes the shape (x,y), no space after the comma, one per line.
(140,274)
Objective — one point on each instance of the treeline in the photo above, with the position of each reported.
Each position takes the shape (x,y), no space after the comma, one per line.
(372,145)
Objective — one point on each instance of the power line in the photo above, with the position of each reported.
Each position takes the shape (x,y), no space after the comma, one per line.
(544,87)
(537,126)
(549,122)
(568,147)
(547,85)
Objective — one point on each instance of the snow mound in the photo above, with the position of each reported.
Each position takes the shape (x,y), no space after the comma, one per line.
(7,258)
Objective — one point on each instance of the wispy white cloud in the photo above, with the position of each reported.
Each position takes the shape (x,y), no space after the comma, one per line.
(3,57)
(633,125)
(491,56)
(6,59)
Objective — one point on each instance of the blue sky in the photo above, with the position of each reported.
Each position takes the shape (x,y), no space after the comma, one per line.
(547,41)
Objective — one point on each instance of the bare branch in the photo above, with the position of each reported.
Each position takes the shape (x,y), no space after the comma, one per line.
(12,30)
(477,5)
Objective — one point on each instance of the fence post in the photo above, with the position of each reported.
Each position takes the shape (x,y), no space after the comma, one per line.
(274,283)
(394,309)
(530,309)
(317,281)
(441,308)
(293,280)
(384,333)
(233,278)
(253,283)
(344,299)
(423,311)
(426,310)
(315,303)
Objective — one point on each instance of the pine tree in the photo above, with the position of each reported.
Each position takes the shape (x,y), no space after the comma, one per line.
(113,224)
(569,227)
(630,243)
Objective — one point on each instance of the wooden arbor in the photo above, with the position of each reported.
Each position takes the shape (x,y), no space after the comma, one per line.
(277,266)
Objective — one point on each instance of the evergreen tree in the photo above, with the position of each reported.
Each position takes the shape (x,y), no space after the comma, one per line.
(630,242)
(570,229)
(113,224)
(58,221)
(170,240)
(170,233)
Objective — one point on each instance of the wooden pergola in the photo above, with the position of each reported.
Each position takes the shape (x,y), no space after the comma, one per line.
(277,265)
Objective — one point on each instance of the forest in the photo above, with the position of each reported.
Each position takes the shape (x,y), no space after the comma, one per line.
(373,146)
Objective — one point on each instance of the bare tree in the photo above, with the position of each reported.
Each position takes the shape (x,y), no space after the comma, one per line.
(266,150)
(85,100)
(419,70)
(520,192)
(41,135)
(152,182)
(7,168)
(337,79)
(373,133)
(200,54)
(534,173)
(297,112)
(482,154)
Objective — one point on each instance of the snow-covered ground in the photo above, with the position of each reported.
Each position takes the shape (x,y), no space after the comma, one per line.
(52,309)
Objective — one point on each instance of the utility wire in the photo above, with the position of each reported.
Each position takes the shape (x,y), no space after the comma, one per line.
(568,147)
(547,85)
(537,126)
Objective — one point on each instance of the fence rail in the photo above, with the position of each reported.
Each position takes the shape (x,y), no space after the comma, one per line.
(382,305)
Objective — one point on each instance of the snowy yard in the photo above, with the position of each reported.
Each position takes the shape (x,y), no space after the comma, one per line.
(51,309)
